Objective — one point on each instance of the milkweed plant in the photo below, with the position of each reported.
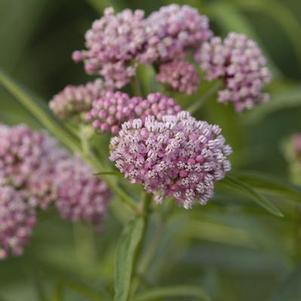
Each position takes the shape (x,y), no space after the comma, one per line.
(127,139)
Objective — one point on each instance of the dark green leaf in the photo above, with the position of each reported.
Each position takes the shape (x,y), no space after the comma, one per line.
(125,258)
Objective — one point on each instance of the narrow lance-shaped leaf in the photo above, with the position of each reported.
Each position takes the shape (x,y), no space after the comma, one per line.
(257,197)
(125,258)
(270,185)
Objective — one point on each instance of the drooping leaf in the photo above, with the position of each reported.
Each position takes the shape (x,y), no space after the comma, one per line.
(173,292)
(125,258)
(257,197)
(270,185)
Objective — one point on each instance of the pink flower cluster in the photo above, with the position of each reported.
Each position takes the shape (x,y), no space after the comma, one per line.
(17,219)
(73,100)
(172,30)
(111,110)
(180,76)
(117,43)
(113,43)
(177,157)
(81,196)
(239,62)
(27,162)
(35,171)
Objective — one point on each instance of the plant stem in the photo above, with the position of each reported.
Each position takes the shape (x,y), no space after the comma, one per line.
(146,215)
(198,104)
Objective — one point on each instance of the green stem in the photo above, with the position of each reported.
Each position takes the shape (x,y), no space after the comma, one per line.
(136,87)
(198,104)
(146,214)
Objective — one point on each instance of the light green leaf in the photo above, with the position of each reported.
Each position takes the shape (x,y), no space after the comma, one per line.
(125,258)
(257,197)
(173,291)
(291,290)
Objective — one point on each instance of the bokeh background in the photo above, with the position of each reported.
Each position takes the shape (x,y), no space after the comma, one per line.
(234,250)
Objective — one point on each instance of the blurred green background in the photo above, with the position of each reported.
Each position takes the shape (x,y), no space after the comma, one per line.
(233,250)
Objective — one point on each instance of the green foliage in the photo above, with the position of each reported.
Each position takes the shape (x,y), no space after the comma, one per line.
(125,258)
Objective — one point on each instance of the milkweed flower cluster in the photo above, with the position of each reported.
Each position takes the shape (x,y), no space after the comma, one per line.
(74,100)
(238,61)
(27,162)
(34,172)
(173,30)
(81,196)
(177,157)
(113,42)
(17,219)
(114,108)
(180,76)
(117,43)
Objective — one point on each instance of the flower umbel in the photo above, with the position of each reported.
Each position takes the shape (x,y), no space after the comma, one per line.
(113,43)
(17,219)
(177,157)
(111,110)
(239,62)
(73,100)
(172,30)
(180,76)
(81,196)
(27,162)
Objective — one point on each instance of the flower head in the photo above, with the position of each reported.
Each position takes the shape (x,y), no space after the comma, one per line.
(17,219)
(73,100)
(239,62)
(172,30)
(180,76)
(113,42)
(27,162)
(177,157)
(81,196)
(111,110)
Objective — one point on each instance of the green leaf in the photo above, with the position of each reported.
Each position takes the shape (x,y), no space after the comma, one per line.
(125,258)
(257,197)
(291,289)
(173,291)
(270,185)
